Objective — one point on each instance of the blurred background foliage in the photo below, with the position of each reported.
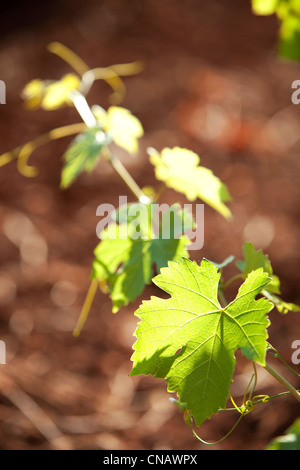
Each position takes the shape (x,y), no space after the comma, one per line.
(288,13)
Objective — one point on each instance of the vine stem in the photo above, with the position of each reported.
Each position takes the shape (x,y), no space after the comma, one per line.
(233,279)
(276,354)
(90,121)
(88,117)
(126,177)
(111,75)
(222,438)
(282,381)
(86,307)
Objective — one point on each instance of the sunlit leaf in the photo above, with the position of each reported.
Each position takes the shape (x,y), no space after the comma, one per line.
(49,94)
(264,7)
(282,306)
(288,13)
(289,41)
(58,93)
(290,440)
(179,169)
(33,93)
(190,340)
(82,154)
(254,259)
(127,262)
(124,128)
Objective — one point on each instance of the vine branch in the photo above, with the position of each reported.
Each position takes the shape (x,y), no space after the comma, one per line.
(282,381)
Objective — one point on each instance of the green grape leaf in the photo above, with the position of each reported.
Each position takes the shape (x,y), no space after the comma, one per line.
(282,306)
(124,128)
(288,13)
(264,7)
(126,261)
(190,340)
(254,259)
(82,154)
(50,94)
(289,441)
(179,169)
(289,38)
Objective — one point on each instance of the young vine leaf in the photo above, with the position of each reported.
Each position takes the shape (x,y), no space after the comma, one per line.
(179,169)
(264,7)
(82,154)
(124,128)
(116,125)
(190,339)
(125,260)
(288,13)
(290,440)
(254,259)
(49,94)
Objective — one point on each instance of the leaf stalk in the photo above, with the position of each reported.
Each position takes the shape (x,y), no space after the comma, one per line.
(282,381)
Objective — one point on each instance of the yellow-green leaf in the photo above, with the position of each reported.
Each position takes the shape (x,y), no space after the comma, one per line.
(58,93)
(190,339)
(179,169)
(50,94)
(254,259)
(127,260)
(264,7)
(33,93)
(82,154)
(124,128)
